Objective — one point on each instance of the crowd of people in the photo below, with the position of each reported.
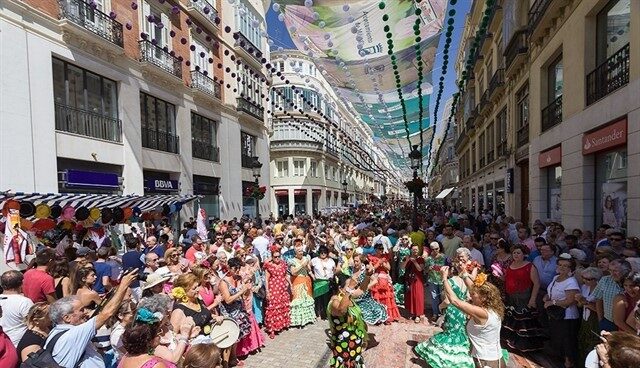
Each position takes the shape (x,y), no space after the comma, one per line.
(156,297)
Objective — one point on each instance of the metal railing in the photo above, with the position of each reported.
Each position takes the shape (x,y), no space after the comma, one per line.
(77,121)
(523,135)
(247,161)
(206,84)
(552,114)
(517,45)
(250,108)
(247,45)
(608,76)
(161,141)
(206,9)
(160,57)
(205,150)
(86,16)
(536,12)
(496,81)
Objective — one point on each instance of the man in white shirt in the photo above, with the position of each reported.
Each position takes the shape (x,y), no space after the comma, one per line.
(381,238)
(261,245)
(227,247)
(15,307)
(476,255)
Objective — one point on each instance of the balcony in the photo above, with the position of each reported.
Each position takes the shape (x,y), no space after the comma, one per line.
(160,57)
(523,135)
(93,20)
(250,107)
(470,119)
(248,47)
(536,12)
(497,82)
(485,105)
(608,76)
(205,150)
(204,12)
(542,15)
(246,161)
(203,83)
(72,120)
(518,46)
(161,141)
(552,114)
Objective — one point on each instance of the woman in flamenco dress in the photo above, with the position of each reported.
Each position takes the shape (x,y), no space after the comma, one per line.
(383,291)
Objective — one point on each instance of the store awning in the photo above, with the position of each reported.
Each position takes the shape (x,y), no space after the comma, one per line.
(445,193)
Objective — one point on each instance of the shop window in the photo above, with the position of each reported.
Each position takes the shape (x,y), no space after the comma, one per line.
(554,193)
(611,189)
(613,29)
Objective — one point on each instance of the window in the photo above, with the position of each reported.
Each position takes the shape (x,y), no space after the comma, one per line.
(246,20)
(249,85)
(611,188)
(200,56)
(613,29)
(490,141)
(158,124)
(501,132)
(160,34)
(81,89)
(314,169)
(282,167)
(248,149)
(299,168)
(555,81)
(326,172)
(522,114)
(204,138)
(554,197)
(483,151)
(281,66)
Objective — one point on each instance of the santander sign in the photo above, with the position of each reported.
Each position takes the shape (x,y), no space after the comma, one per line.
(610,136)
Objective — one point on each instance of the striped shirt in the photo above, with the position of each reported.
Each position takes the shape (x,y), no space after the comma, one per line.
(606,290)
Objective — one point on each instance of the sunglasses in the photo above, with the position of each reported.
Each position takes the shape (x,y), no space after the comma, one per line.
(275,256)
(588,279)
(348,249)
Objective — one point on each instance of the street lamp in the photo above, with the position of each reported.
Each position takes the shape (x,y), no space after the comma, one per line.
(416,158)
(344,191)
(256,167)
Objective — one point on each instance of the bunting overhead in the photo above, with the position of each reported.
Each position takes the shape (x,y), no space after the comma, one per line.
(379,56)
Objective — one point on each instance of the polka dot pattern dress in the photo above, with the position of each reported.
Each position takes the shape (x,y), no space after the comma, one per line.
(348,337)
(277,313)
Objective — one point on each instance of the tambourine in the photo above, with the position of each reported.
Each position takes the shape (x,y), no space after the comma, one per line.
(225,334)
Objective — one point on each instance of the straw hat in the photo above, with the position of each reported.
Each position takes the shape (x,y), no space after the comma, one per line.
(154,279)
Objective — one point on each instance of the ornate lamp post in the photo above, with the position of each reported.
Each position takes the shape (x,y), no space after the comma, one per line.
(345,196)
(416,158)
(256,167)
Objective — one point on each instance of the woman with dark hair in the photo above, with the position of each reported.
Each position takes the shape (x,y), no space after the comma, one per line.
(83,287)
(522,331)
(625,303)
(323,268)
(560,305)
(414,279)
(302,304)
(383,291)
(141,338)
(38,327)
(202,356)
(59,270)
(500,262)
(233,288)
(372,312)
(277,313)
(348,329)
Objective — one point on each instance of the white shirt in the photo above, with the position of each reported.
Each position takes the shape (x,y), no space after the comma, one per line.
(261,246)
(584,290)
(14,311)
(557,291)
(485,339)
(385,242)
(68,349)
(323,269)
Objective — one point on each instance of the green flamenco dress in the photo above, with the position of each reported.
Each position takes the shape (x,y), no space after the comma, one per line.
(449,348)
(348,338)
(372,311)
(399,288)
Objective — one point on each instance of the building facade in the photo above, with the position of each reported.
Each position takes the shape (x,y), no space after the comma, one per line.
(572,157)
(122,97)
(444,177)
(310,156)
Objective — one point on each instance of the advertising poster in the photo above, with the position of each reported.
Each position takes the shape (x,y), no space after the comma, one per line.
(614,204)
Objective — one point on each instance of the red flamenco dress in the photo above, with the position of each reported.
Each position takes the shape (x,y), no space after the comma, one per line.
(382,291)
(414,301)
(277,313)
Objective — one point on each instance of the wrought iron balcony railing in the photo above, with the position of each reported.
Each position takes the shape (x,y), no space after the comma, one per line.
(608,76)
(496,81)
(247,45)
(517,45)
(206,9)
(250,108)
(204,83)
(536,12)
(247,161)
(161,141)
(160,57)
(88,17)
(205,150)
(77,121)
(552,114)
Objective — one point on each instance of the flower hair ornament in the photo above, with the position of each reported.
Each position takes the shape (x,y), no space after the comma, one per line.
(145,316)
(179,294)
(480,279)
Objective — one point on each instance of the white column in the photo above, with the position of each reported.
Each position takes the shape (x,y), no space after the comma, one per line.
(309,201)
(292,202)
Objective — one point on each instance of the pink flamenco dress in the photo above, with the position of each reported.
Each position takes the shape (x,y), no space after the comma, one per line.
(255,339)
(383,291)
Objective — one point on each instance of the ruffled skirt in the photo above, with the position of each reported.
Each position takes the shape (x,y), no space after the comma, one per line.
(253,341)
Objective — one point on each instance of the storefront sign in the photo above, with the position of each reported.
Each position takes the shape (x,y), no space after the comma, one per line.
(161,185)
(610,136)
(89,179)
(509,180)
(550,157)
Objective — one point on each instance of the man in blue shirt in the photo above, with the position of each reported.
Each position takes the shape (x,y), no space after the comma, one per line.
(132,260)
(103,271)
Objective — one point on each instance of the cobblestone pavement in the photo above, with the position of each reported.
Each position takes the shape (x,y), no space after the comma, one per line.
(294,348)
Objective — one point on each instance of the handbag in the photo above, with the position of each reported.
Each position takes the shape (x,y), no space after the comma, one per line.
(555,312)
(43,358)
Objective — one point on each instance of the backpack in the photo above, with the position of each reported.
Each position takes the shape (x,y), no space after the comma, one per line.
(43,358)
